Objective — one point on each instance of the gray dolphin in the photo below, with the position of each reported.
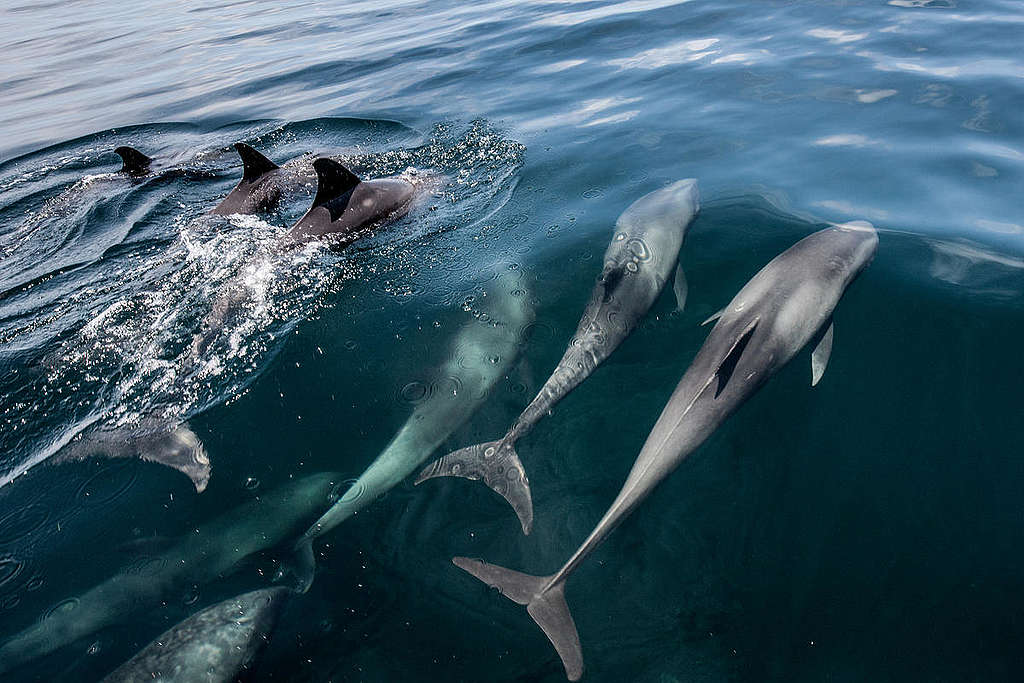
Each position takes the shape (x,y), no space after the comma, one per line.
(261,187)
(785,306)
(344,205)
(478,356)
(213,645)
(637,264)
(206,553)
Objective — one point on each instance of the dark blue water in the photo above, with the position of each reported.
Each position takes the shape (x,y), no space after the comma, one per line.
(867,529)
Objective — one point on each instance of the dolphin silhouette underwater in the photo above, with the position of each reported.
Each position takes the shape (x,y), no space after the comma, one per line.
(786,305)
(210,551)
(480,354)
(213,645)
(637,264)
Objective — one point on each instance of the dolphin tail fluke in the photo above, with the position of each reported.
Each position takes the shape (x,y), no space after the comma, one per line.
(498,465)
(298,571)
(178,448)
(545,604)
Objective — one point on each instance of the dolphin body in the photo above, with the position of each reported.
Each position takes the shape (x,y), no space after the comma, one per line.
(212,646)
(637,264)
(210,551)
(344,205)
(785,306)
(480,354)
(262,185)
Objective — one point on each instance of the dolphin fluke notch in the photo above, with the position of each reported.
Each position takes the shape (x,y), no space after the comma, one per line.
(254,164)
(333,182)
(545,604)
(134,162)
(498,465)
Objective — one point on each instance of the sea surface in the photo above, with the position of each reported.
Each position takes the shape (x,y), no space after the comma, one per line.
(868,529)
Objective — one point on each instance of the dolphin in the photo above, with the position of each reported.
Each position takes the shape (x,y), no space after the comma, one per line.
(344,205)
(261,187)
(788,304)
(637,264)
(214,645)
(478,356)
(206,553)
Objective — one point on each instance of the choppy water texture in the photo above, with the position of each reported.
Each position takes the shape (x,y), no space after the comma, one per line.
(867,529)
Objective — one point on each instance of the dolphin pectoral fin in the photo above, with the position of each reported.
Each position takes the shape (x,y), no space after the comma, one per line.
(254,164)
(498,465)
(714,316)
(680,287)
(822,352)
(133,161)
(546,606)
(728,364)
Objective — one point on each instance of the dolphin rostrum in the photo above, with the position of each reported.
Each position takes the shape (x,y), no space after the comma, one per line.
(204,554)
(785,306)
(481,353)
(211,646)
(637,264)
(260,188)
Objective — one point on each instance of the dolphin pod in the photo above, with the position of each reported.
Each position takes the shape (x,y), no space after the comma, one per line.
(788,304)
(637,264)
(213,645)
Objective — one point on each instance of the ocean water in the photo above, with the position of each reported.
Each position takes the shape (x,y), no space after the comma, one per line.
(869,528)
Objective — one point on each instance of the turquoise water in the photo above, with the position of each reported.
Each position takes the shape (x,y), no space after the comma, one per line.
(866,529)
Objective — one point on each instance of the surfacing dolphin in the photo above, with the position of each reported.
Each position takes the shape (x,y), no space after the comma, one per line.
(344,205)
(206,553)
(262,185)
(477,357)
(637,265)
(211,646)
(785,306)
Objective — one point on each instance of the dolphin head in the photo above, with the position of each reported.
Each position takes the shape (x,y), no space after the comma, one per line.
(672,205)
(853,246)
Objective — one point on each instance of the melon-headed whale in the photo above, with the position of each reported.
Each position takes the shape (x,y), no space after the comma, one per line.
(787,305)
(641,258)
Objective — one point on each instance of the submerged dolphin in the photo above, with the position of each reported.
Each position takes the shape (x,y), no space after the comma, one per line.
(213,645)
(637,264)
(480,354)
(786,305)
(204,554)
(262,185)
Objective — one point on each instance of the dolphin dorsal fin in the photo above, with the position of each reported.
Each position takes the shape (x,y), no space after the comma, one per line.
(728,364)
(134,161)
(254,164)
(332,180)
